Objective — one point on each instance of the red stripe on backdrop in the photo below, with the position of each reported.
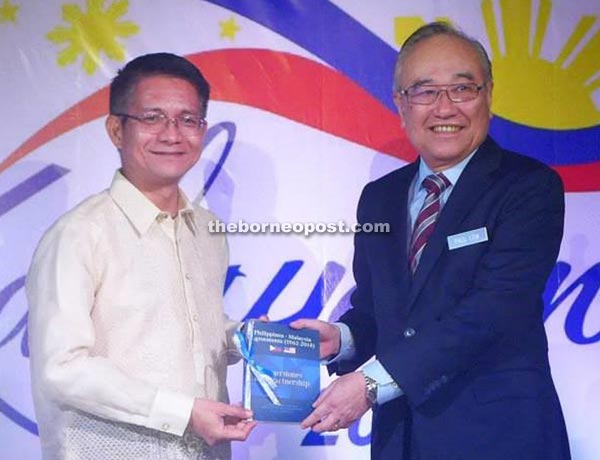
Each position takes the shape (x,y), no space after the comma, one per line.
(580,178)
(92,107)
(285,84)
(307,92)
(293,87)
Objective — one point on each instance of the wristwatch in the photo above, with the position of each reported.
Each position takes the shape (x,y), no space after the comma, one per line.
(370,389)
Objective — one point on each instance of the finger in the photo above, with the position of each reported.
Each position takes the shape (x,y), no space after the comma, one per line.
(229,420)
(233,433)
(246,425)
(238,432)
(329,423)
(313,418)
(235,411)
(264,318)
(313,324)
(332,424)
(343,424)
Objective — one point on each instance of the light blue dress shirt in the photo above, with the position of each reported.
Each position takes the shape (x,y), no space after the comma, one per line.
(387,388)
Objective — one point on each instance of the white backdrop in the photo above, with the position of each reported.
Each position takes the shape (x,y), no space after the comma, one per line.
(301,119)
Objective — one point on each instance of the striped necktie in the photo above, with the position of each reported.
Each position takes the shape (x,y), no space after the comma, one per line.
(435,184)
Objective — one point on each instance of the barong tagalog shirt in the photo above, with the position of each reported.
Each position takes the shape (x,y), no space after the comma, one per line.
(126,328)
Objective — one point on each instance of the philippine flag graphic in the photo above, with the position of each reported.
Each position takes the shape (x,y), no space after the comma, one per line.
(275,349)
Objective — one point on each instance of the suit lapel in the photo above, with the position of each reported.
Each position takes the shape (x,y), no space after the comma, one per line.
(475,178)
(398,218)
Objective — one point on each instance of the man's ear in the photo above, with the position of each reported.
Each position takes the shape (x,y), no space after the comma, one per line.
(114,128)
(400,103)
(489,88)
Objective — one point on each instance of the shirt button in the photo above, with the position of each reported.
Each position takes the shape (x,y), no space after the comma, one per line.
(195,317)
(188,276)
(409,332)
(166,426)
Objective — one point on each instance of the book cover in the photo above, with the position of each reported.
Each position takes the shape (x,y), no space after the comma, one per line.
(290,359)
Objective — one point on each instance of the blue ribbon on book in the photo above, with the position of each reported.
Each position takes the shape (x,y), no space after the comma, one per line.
(264,376)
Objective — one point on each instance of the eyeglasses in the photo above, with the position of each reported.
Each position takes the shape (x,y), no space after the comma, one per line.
(428,94)
(155,122)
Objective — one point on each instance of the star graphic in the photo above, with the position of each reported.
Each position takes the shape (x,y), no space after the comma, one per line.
(229,28)
(8,12)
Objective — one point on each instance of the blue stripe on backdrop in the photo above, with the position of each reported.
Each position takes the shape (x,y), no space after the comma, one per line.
(332,35)
(348,46)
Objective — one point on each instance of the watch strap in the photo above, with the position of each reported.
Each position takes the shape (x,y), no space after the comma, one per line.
(370,389)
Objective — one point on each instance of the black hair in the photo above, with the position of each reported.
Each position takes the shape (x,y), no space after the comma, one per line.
(123,85)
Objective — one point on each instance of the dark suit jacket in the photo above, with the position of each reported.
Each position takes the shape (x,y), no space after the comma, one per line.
(463,337)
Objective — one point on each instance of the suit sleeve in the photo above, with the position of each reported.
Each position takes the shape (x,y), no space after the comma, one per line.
(360,318)
(504,298)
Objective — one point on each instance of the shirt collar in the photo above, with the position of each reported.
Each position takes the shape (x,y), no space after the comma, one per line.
(452,173)
(137,207)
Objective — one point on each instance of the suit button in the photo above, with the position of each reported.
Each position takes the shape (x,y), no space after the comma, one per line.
(409,332)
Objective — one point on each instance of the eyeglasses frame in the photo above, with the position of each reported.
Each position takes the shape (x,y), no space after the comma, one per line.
(443,89)
(167,119)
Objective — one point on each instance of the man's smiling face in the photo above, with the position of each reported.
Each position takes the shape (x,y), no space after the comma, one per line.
(444,132)
(155,160)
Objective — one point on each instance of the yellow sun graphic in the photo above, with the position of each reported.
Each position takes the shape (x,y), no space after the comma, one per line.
(92,32)
(557,96)
(528,88)
(8,12)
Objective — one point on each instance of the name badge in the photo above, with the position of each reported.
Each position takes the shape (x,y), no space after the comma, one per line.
(460,240)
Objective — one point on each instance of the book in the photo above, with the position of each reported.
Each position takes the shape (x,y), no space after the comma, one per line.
(290,357)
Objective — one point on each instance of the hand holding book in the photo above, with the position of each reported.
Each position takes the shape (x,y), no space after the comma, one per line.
(329,335)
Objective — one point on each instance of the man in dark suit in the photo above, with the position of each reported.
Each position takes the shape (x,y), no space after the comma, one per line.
(450,302)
